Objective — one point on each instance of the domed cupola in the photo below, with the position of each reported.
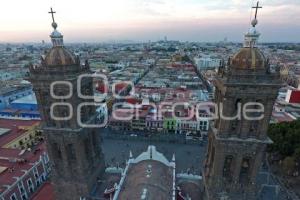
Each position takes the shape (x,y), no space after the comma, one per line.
(249,57)
(58,55)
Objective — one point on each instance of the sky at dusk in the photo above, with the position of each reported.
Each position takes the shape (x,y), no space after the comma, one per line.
(143,20)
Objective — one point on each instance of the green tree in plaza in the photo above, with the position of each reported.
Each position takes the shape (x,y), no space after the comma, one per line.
(286,138)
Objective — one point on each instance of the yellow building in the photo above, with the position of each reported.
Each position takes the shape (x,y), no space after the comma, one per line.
(30,136)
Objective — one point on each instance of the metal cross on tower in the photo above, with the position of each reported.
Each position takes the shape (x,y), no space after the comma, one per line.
(256,9)
(52,14)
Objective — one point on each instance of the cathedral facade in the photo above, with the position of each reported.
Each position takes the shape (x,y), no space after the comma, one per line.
(236,146)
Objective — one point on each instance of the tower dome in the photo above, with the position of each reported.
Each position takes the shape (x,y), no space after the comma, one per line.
(249,57)
(58,55)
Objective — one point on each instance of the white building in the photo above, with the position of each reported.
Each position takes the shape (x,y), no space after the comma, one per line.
(207,63)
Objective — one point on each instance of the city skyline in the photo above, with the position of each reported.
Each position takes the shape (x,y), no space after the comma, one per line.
(143,20)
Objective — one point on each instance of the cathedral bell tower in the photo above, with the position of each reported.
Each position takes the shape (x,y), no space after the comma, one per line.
(237,141)
(74,150)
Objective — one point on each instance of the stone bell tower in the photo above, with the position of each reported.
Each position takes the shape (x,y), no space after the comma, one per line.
(236,146)
(74,149)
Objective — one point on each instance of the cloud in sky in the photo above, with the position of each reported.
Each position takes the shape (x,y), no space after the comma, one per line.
(195,20)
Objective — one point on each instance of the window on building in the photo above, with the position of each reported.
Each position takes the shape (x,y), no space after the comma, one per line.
(238,103)
(95,140)
(56,151)
(71,152)
(253,128)
(21,188)
(45,158)
(234,125)
(13,197)
(43,177)
(245,170)
(37,183)
(227,169)
(30,185)
(21,143)
(87,148)
(24,197)
(254,124)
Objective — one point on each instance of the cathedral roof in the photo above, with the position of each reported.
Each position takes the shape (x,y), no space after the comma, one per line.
(149,176)
(248,58)
(148,179)
(58,56)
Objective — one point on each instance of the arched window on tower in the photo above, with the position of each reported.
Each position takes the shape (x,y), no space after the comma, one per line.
(87,148)
(71,154)
(234,123)
(96,141)
(227,168)
(245,170)
(254,124)
(237,104)
(56,151)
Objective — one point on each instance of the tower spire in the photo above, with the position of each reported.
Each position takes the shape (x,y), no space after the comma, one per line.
(254,21)
(54,24)
(252,35)
(52,13)
(56,37)
(256,8)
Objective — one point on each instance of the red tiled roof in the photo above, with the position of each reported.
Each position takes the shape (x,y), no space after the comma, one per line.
(16,162)
(46,192)
(15,131)
(121,114)
(9,153)
(294,96)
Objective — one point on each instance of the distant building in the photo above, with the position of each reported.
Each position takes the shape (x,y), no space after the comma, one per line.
(11,74)
(23,108)
(9,94)
(207,63)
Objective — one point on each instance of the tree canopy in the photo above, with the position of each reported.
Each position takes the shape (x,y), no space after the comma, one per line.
(286,138)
